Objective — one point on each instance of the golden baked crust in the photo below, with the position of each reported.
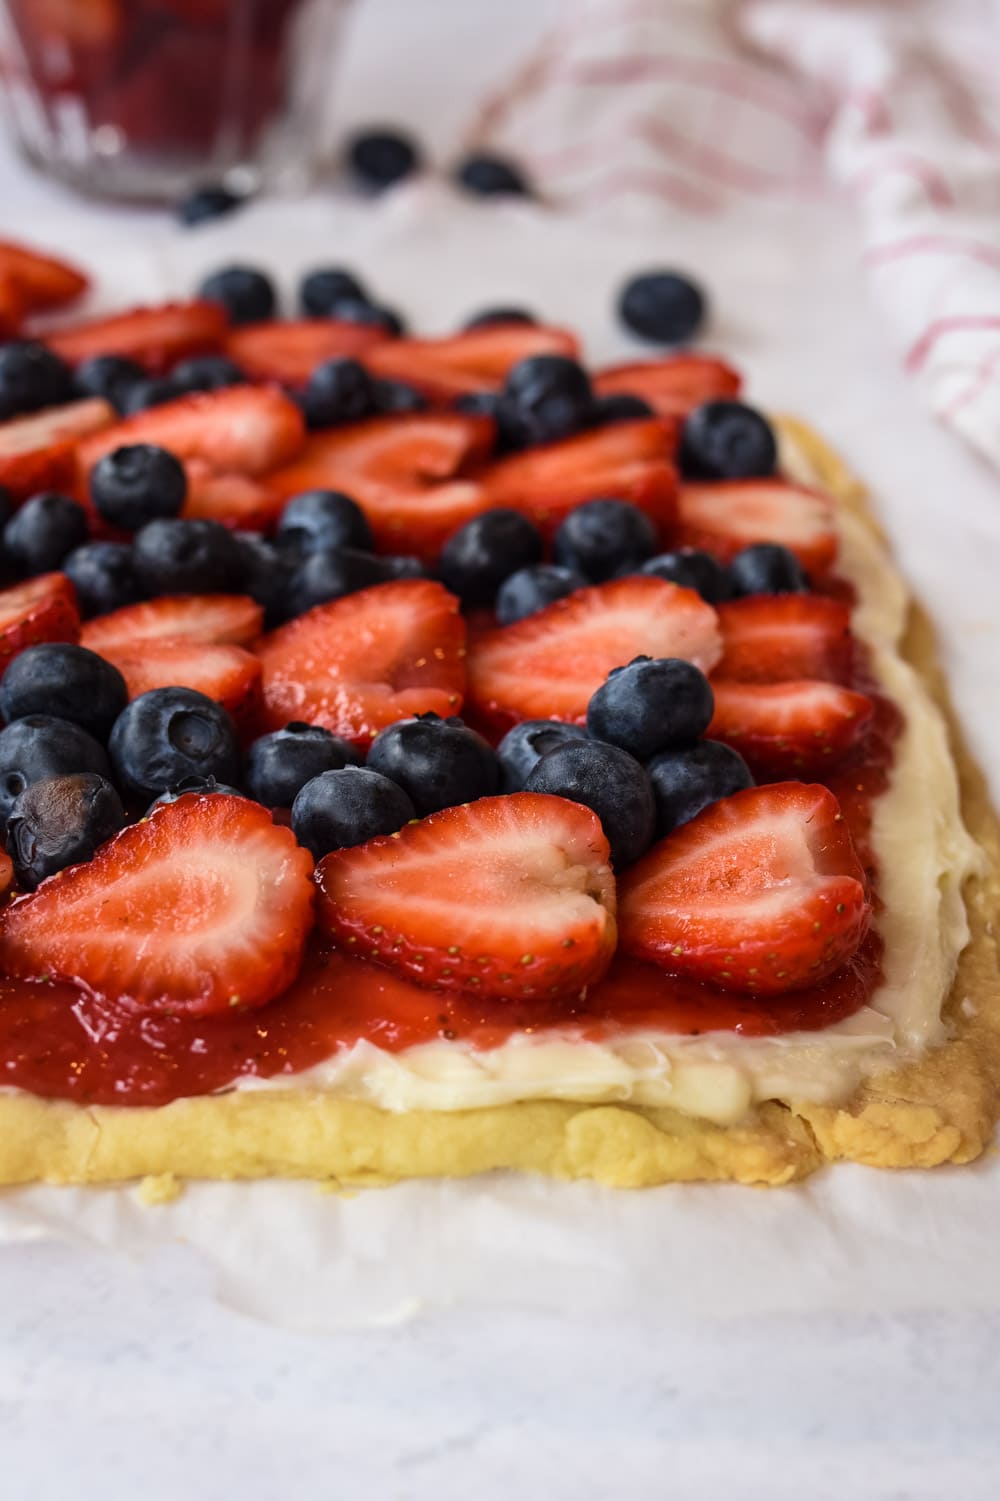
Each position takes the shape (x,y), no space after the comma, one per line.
(940,1109)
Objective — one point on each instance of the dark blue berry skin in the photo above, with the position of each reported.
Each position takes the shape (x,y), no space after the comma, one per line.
(726,440)
(523,747)
(247,295)
(552,394)
(279,765)
(514,432)
(380,158)
(168,734)
(186,557)
(477,558)
(264,574)
(143,394)
(330,574)
(31,377)
(110,376)
(67,681)
(375,315)
(339,809)
(321,290)
(662,306)
(620,406)
(137,484)
(686,781)
(205,372)
(203,786)
(603,538)
(766,568)
(395,396)
(39,747)
(691,569)
(6,506)
(488,176)
(320,519)
(437,762)
(529,590)
(402,567)
(211,201)
(491,316)
(61,822)
(651,705)
(40,535)
(103,576)
(337,391)
(610,782)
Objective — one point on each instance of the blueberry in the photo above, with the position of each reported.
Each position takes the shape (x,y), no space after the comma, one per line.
(523,747)
(514,431)
(767,568)
(477,558)
(6,506)
(488,176)
(662,306)
(620,406)
(31,377)
(609,781)
(380,158)
(205,372)
(61,822)
(321,290)
(319,519)
(726,440)
(552,394)
(396,396)
(211,201)
(437,762)
(137,484)
(531,589)
(104,577)
(491,316)
(67,681)
(330,574)
(39,747)
(651,705)
(40,535)
(143,394)
(247,295)
(279,765)
(264,574)
(108,375)
(186,557)
(171,733)
(602,538)
(402,567)
(342,808)
(338,391)
(692,569)
(203,786)
(373,314)
(686,781)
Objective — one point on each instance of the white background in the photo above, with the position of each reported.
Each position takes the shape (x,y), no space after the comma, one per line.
(855,1350)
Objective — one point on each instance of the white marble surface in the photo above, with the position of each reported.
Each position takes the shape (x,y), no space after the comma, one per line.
(118,1377)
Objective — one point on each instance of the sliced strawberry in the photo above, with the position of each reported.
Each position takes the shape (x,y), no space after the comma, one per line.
(789,729)
(289,352)
(549,665)
(238,430)
(6,875)
(507,897)
(395,468)
(624,461)
(36,452)
(203,906)
(11,308)
(730,514)
(772,638)
(155,336)
(674,385)
(366,660)
(476,360)
(211,619)
(42,609)
(762,892)
(236,500)
(41,280)
(229,674)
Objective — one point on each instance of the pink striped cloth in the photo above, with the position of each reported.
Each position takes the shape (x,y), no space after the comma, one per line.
(695,104)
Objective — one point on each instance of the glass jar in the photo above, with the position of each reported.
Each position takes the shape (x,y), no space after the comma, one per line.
(145,99)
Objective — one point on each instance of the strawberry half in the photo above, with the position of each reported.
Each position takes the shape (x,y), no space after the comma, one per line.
(673,386)
(211,619)
(6,875)
(236,500)
(762,892)
(11,308)
(728,515)
(624,461)
(789,729)
(41,281)
(772,638)
(364,661)
(507,897)
(42,609)
(289,352)
(476,360)
(157,337)
(238,430)
(36,452)
(229,674)
(203,906)
(549,665)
